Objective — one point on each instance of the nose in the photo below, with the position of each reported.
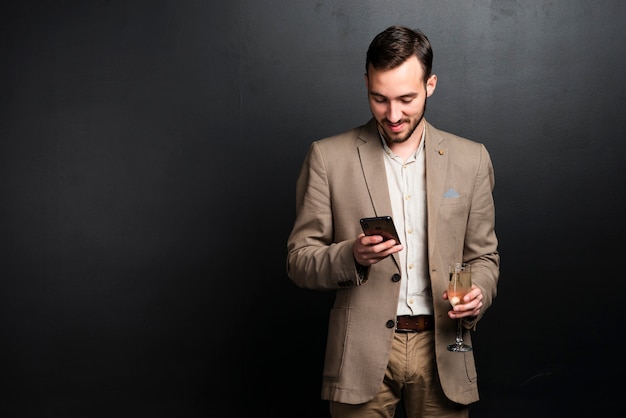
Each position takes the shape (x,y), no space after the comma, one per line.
(394,113)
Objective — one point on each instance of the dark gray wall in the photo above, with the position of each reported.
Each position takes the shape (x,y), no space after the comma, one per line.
(148,158)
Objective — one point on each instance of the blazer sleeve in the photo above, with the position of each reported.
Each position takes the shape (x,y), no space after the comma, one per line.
(480,241)
(314,260)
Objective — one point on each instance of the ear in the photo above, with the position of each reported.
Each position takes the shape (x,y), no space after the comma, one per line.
(367,82)
(431,84)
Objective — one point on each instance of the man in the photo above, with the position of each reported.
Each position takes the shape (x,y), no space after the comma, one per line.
(391,321)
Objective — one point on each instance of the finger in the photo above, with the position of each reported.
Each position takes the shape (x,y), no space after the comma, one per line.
(371,239)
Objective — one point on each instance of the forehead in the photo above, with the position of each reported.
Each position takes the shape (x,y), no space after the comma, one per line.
(407,76)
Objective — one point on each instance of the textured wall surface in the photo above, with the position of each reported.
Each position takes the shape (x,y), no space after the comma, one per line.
(148,158)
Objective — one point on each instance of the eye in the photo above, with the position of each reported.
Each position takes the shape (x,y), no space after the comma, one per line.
(377,97)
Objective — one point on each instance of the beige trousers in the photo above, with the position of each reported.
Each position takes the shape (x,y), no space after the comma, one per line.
(411,378)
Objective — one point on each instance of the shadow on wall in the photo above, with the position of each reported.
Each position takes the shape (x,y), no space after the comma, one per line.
(569,392)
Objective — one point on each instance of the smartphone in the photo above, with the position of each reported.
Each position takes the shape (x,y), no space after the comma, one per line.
(380,225)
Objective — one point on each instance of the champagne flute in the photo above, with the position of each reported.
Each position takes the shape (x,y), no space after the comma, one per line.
(459,285)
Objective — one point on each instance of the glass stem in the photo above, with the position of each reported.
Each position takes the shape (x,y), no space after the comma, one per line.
(459,333)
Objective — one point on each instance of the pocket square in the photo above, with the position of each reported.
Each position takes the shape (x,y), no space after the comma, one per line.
(451,193)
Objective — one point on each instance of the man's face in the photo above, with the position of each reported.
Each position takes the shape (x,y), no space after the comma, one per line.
(397,98)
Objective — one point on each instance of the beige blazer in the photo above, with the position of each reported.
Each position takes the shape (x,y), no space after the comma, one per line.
(342,180)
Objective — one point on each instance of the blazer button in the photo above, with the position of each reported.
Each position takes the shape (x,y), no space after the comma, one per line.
(390,324)
(395,278)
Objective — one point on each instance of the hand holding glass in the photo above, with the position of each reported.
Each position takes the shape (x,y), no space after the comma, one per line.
(459,285)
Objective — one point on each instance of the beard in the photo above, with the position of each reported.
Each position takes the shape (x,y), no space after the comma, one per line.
(400,138)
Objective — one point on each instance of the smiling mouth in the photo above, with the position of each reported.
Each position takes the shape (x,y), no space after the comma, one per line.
(395,127)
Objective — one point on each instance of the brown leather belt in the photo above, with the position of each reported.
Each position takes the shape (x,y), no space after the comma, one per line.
(416,323)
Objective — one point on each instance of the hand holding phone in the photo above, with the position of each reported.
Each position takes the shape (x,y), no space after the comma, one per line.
(380,225)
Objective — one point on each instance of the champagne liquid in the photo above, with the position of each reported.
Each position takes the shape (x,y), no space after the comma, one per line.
(459,285)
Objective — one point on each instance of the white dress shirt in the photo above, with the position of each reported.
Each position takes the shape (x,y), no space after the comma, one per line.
(407,189)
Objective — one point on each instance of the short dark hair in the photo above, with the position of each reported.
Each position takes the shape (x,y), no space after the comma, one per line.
(390,48)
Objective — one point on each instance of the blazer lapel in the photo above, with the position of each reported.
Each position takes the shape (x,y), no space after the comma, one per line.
(436,163)
(373,164)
